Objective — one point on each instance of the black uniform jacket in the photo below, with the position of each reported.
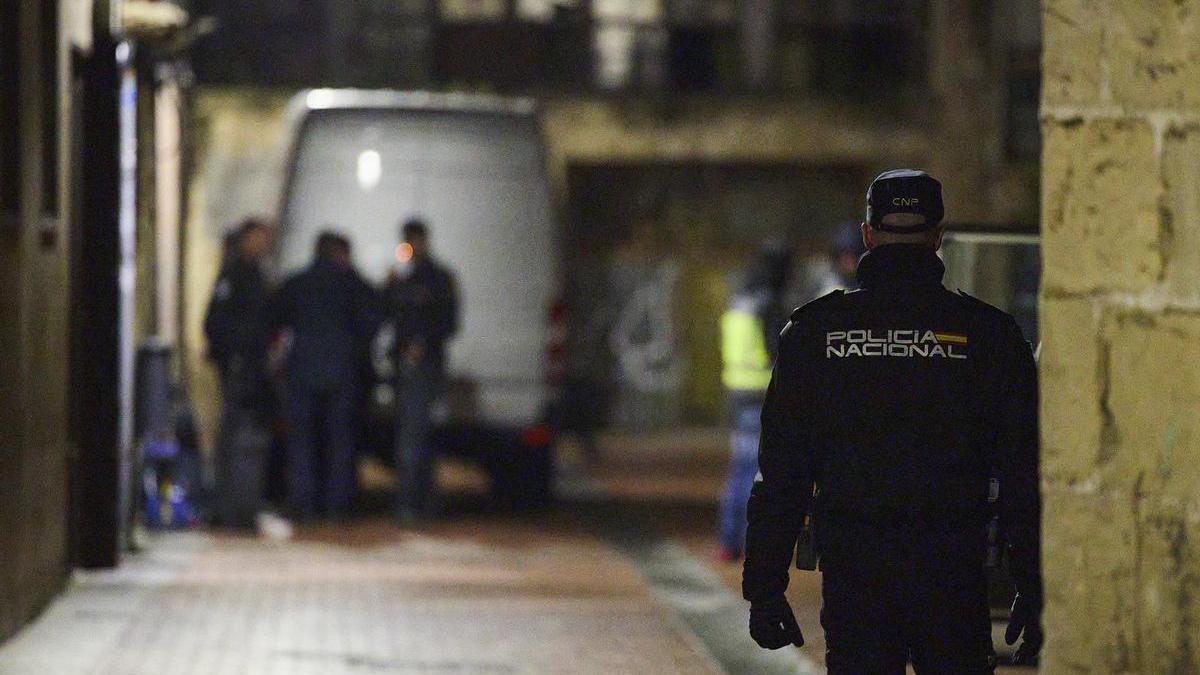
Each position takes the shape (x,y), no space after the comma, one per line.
(897,403)
(424,307)
(236,320)
(333,314)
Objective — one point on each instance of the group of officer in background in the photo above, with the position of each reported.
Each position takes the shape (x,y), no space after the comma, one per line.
(880,431)
(301,354)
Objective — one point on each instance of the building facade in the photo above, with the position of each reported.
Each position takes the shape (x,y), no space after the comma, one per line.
(77,215)
(35,249)
(680,133)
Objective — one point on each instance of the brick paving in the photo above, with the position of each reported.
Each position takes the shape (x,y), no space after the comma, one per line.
(521,598)
(675,478)
(617,582)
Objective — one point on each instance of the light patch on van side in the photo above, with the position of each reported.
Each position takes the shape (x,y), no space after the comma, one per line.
(370,169)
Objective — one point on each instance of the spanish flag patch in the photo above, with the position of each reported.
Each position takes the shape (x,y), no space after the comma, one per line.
(950,338)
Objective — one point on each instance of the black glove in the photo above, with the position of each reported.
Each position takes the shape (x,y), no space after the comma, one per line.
(1026,619)
(772,624)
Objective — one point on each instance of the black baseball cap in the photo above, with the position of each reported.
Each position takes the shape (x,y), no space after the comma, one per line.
(904,191)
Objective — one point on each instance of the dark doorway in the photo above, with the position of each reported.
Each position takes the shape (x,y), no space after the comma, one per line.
(94,263)
(653,250)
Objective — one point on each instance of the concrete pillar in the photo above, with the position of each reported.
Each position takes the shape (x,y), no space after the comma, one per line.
(1120,319)
(168,205)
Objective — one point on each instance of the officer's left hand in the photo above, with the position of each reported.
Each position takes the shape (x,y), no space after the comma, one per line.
(773,625)
(1025,619)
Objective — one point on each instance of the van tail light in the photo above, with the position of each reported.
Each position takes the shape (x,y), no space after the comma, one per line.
(538,436)
(556,343)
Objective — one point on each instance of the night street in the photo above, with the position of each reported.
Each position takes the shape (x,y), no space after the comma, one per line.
(599,337)
(478,593)
(589,588)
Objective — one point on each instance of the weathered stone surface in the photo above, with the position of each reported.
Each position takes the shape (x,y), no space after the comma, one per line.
(1070,383)
(1153,59)
(1181,178)
(1071,71)
(1100,193)
(1121,394)
(1154,399)
(1169,584)
(1089,548)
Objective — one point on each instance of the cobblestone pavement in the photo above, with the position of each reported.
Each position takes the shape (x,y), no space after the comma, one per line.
(617,580)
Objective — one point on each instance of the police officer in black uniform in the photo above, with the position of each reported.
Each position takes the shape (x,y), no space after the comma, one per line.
(424,308)
(332,315)
(236,326)
(902,416)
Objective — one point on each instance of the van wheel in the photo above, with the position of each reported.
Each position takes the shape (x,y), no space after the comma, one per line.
(528,483)
(540,481)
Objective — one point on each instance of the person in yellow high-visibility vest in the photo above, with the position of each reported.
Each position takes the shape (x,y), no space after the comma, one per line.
(749,336)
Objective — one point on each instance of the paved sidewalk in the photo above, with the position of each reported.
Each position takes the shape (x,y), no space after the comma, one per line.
(673,479)
(618,580)
(373,599)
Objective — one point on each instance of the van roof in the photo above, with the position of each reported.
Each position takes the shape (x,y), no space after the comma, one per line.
(385,99)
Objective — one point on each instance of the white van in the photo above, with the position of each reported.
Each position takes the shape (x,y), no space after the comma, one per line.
(363,162)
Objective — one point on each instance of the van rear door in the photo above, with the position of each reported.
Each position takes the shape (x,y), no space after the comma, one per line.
(477,177)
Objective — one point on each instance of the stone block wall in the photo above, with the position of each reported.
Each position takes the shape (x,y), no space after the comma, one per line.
(1121,329)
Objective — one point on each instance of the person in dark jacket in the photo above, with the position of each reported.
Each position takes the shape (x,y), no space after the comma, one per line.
(236,326)
(423,306)
(331,314)
(911,413)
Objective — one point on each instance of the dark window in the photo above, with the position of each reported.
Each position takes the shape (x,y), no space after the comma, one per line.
(856,50)
(411,9)
(1022,130)
(266,42)
(514,56)
(10,121)
(710,13)
(567,61)
(389,46)
(460,55)
(692,54)
(1021,21)
(50,107)
(844,49)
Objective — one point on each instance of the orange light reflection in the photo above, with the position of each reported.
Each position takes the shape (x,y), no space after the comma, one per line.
(404,252)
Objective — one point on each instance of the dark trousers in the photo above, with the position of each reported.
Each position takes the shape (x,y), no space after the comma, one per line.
(879,612)
(243,443)
(321,426)
(416,390)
